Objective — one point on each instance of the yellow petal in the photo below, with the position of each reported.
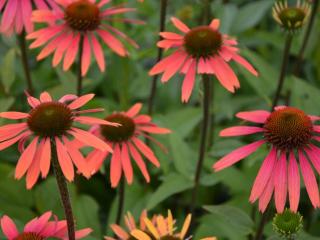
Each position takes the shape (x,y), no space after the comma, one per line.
(139,235)
(185,226)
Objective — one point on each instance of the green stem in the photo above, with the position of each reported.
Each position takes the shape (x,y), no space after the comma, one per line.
(64,194)
(298,65)
(203,141)
(263,222)
(153,90)
(283,70)
(121,196)
(25,64)
(79,74)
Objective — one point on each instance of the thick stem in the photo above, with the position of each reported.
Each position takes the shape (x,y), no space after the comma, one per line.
(25,64)
(203,141)
(298,65)
(121,195)
(79,73)
(263,221)
(64,194)
(284,66)
(153,90)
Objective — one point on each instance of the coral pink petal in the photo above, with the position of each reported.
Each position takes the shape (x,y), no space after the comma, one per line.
(237,155)
(280,183)
(310,180)
(98,52)
(33,102)
(38,224)
(34,170)
(155,130)
(80,101)
(313,154)
(126,163)
(134,110)
(263,176)
(93,120)
(8,143)
(77,158)
(9,228)
(64,160)
(215,24)
(68,98)
(173,67)
(90,139)
(219,68)
(45,158)
(146,151)
(45,97)
(259,116)
(83,233)
(171,35)
(188,82)
(115,166)
(26,158)
(267,194)
(119,231)
(240,131)
(164,63)
(71,53)
(293,183)
(14,115)
(245,64)
(12,131)
(112,42)
(138,159)
(86,56)
(180,25)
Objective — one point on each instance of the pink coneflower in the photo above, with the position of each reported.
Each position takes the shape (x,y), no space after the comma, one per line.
(125,142)
(16,14)
(202,50)
(291,134)
(39,229)
(76,27)
(48,124)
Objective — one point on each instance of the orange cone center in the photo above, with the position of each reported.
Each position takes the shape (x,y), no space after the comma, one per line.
(29,236)
(83,15)
(288,128)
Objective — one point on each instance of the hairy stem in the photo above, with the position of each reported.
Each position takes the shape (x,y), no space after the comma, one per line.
(64,194)
(203,141)
(25,64)
(162,25)
(79,74)
(283,70)
(121,194)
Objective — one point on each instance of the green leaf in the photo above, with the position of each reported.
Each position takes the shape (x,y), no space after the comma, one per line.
(8,74)
(250,15)
(172,184)
(233,222)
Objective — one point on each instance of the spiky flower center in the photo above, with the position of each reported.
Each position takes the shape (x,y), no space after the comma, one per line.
(288,128)
(29,236)
(82,15)
(50,119)
(292,17)
(287,223)
(202,41)
(120,133)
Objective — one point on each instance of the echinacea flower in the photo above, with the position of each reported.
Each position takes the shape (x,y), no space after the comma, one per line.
(75,27)
(202,50)
(39,229)
(16,14)
(160,228)
(291,134)
(48,125)
(123,233)
(291,18)
(125,143)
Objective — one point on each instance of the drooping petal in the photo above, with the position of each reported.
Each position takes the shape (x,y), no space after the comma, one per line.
(240,131)
(138,159)
(126,163)
(280,183)
(146,151)
(115,167)
(237,155)
(188,82)
(9,228)
(264,175)
(293,183)
(259,116)
(64,160)
(45,158)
